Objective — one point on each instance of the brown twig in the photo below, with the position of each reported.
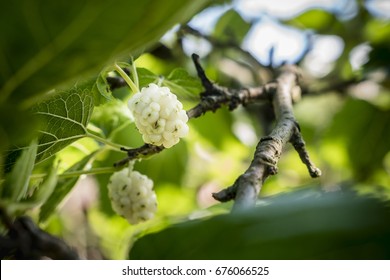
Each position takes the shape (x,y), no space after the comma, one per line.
(145,150)
(24,240)
(299,145)
(268,151)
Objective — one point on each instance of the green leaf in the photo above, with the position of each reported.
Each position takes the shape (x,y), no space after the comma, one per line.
(183,85)
(101,90)
(186,87)
(111,116)
(179,81)
(44,190)
(231,27)
(377,32)
(64,186)
(16,183)
(64,118)
(365,129)
(67,39)
(40,195)
(146,77)
(51,44)
(301,225)
(317,19)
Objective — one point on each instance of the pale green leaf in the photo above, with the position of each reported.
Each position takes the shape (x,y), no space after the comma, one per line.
(111,116)
(40,195)
(102,91)
(64,119)
(183,85)
(16,183)
(45,189)
(64,186)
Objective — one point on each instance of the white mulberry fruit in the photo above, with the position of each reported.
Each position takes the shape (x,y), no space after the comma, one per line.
(132,195)
(159,116)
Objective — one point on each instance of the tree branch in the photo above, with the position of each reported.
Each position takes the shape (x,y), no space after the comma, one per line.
(268,151)
(246,188)
(25,240)
(144,151)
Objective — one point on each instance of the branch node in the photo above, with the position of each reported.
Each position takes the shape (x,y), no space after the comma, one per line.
(225,195)
(300,146)
(272,170)
(140,152)
(267,138)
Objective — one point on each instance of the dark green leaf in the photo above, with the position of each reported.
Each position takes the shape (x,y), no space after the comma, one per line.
(64,186)
(17,125)
(231,27)
(366,131)
(16,183)
(294,226)
(379,58)
(47,43)
(64,118)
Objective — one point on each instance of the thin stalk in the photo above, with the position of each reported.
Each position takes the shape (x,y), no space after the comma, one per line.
(105,141)
(135,74)
(127,79)
(71,174)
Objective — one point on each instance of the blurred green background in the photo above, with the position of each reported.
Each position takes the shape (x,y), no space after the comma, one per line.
(343,48)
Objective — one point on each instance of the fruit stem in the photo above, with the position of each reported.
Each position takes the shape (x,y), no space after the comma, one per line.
(160,80)
(135,73)
(116,147)
(127,79)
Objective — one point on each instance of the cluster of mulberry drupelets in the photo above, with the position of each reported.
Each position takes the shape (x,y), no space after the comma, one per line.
(159,116)
(132,195)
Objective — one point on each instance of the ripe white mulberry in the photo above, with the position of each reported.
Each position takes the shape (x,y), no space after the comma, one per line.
(132,195)
(159,116)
